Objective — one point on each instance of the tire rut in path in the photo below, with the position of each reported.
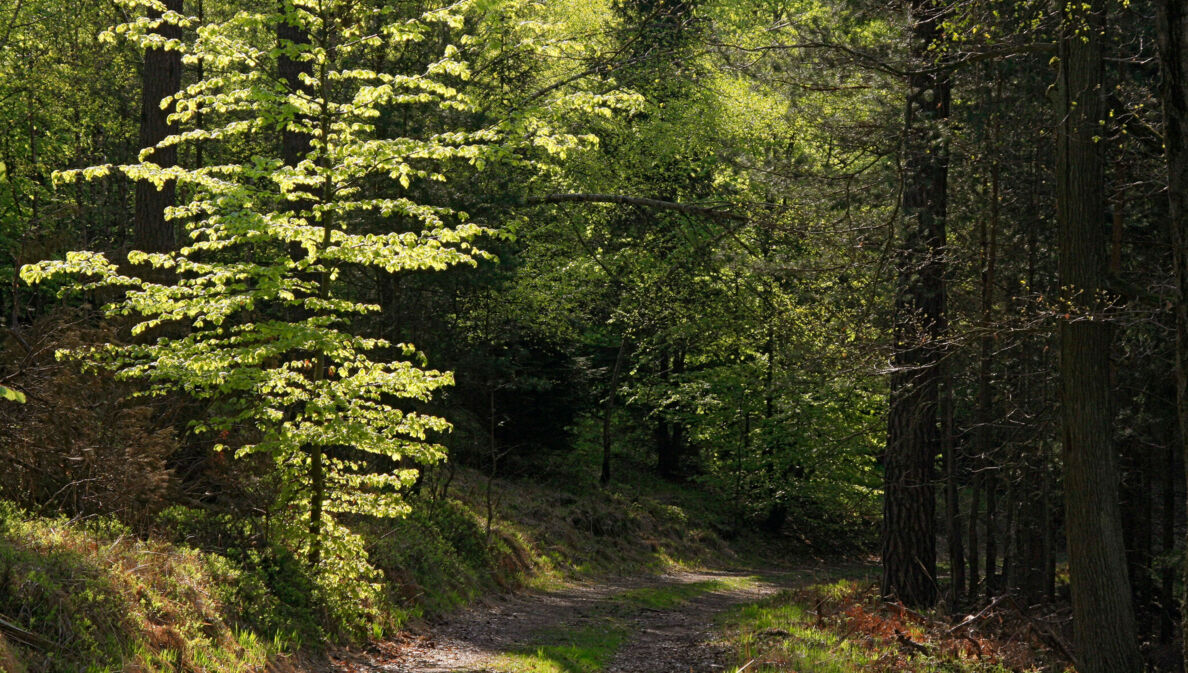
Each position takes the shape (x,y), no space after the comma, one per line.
(679,639)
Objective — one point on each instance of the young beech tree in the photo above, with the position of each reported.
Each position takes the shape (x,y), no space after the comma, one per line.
(256,315)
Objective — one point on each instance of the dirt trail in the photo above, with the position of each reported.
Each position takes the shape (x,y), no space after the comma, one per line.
(677,639)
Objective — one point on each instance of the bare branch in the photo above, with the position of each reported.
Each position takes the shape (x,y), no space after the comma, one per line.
(686,208)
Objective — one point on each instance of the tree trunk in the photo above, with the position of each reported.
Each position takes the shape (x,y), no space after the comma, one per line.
(1103,616)
(984,437)
(1049,542)
(494,466)
(1034,550)
(991,530)
(909,528)
(1173,52)
(952,497)
(161,78)
(1167,527)
(200,117)
(1029,562)
(686,461)
(975,505)
(295,145)
(666,454)
(1010,544)
(608,410)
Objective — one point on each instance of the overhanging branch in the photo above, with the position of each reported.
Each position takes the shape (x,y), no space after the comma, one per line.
(686,208)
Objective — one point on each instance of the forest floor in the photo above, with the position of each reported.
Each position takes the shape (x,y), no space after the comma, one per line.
(824,617)
(645,624)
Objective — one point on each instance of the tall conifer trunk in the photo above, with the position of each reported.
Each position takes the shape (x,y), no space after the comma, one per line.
(913,437)
(1173,50)
(161,78)
(1103,616)
(984,437)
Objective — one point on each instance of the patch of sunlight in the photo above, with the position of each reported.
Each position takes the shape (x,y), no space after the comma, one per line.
(586,650)
(665,597)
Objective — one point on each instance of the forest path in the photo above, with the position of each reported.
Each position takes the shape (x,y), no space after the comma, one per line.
(645,624)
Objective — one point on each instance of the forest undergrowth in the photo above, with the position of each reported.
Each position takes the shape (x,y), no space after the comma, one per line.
(843,626)
(88,594)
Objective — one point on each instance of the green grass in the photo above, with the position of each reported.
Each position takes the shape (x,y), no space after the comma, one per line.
(777,634)
(834,628)
(586,650)
(590,649)
(667,597)
(94,598)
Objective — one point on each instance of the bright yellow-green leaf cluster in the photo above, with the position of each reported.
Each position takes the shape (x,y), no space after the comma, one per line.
(251,312)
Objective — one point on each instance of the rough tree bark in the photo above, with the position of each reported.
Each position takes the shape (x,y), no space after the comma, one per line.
(975,506)
(1103,616)
(1173,52)
(953,519)
(913,437)
(984,436)
(161,78)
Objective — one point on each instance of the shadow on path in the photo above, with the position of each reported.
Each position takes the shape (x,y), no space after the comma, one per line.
(649,624)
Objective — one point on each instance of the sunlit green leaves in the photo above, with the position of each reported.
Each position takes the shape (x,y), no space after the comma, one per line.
(12,395)
(255,316)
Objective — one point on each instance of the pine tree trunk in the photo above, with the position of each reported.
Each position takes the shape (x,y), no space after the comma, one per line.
(985,437)
(1035,553)
(1146,550)
(1103,616)
(1173,51)
(952,497)
(161,78)
(1049,543)
(1029,562)
(991,532)
(1167,528)
(1010,547)
(975,505)
(909,500)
